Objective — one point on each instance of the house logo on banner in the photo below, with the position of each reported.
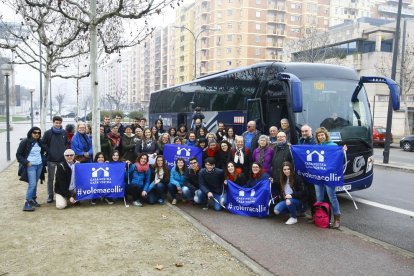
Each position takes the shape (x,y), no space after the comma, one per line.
(319,164)
(105,172)
(172,152)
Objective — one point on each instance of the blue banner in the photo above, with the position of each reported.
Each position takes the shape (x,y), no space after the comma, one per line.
(174,151)
(95,180)
(249,201)
(320,165)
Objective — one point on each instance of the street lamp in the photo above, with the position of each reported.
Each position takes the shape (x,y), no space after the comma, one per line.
(195,44)
(31,106)
(7,71)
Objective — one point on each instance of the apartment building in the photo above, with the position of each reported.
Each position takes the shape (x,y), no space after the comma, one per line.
(387,9)
(341,11)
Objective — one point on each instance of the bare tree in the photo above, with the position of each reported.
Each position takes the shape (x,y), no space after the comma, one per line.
(406,76)
(59,98)
(314,47)
(61,41)
(117,98)
(114,23)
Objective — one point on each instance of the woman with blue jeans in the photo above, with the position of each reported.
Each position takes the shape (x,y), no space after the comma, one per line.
(291,193)
(161,177)
(30,155)
(177,179)
(323,138)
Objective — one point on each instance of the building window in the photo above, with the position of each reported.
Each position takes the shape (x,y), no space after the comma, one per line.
(229,12)
(229,37)
(229,25)
(257,38)
(257,14)
(228,50)
(257,51)
(257,27)
(258,2)
(228,63)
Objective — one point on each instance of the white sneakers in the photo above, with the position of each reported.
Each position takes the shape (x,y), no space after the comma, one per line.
(137,203)
(291,221)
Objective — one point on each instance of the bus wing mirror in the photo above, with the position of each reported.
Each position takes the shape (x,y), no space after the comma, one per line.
(392,86)
(295,90)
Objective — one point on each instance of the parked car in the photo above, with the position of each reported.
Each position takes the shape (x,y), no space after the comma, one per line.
(378,136)
(407,143)
(69,115)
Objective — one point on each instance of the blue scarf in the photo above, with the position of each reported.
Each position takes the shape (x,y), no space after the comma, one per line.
(57,130)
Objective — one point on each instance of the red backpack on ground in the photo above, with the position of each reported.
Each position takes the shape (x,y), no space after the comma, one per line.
(321,212)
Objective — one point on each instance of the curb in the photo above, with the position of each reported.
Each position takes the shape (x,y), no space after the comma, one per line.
(394,167)
(239,255)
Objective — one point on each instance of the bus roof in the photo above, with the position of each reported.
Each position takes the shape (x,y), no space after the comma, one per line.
(300,69)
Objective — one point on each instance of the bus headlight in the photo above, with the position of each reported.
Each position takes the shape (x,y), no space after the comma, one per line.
(370,163)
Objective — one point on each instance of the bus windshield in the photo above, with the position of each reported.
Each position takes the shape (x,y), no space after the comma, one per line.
(327,103)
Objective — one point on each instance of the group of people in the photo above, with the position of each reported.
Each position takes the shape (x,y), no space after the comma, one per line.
(245,160)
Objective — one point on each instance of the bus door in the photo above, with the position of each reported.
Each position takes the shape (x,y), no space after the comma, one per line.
(255,112)
(275,109)
(181,119)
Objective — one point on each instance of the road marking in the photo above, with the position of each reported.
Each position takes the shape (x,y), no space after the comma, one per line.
(383,206)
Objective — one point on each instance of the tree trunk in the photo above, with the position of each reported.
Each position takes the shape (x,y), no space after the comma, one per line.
(45,94)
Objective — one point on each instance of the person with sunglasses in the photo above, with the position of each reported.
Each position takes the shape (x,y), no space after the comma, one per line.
(31,156)
(65,181)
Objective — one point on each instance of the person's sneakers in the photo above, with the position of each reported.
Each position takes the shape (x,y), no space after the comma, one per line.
(137,203)
(50,200)
(94,201)
(190,203)
(174,202)
(161,201)
(109,201)
(27,207)
(34,203)
(291,221)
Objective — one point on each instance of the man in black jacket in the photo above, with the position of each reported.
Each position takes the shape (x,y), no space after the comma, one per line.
(56,142)
(211,182)
(65,181)
(191,179)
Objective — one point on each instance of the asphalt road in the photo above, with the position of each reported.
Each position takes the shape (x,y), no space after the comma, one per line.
(396,155)
(275,245)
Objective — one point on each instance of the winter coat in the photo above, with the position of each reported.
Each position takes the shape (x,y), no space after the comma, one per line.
(56,143)
(191,180)
(212,181)
(128,148)
(176,178)
(298,190)
(82,143)
(281,154)
(267,158)
(62,181)
(141,179)
(252,182)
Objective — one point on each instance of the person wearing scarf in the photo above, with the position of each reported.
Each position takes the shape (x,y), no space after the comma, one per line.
(256,175)
(263,154)
(273,137)
(115,137)
(128,145)
(56,142)
(82,144)
(230,173)
(281,154)
(182,131)
(240,156)
(211,150)
(192,140)
(148,145)
(139,175)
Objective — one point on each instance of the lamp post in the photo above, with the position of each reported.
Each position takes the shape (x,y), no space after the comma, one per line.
(386,153)
(195,44)
(7,71)
(31,107)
